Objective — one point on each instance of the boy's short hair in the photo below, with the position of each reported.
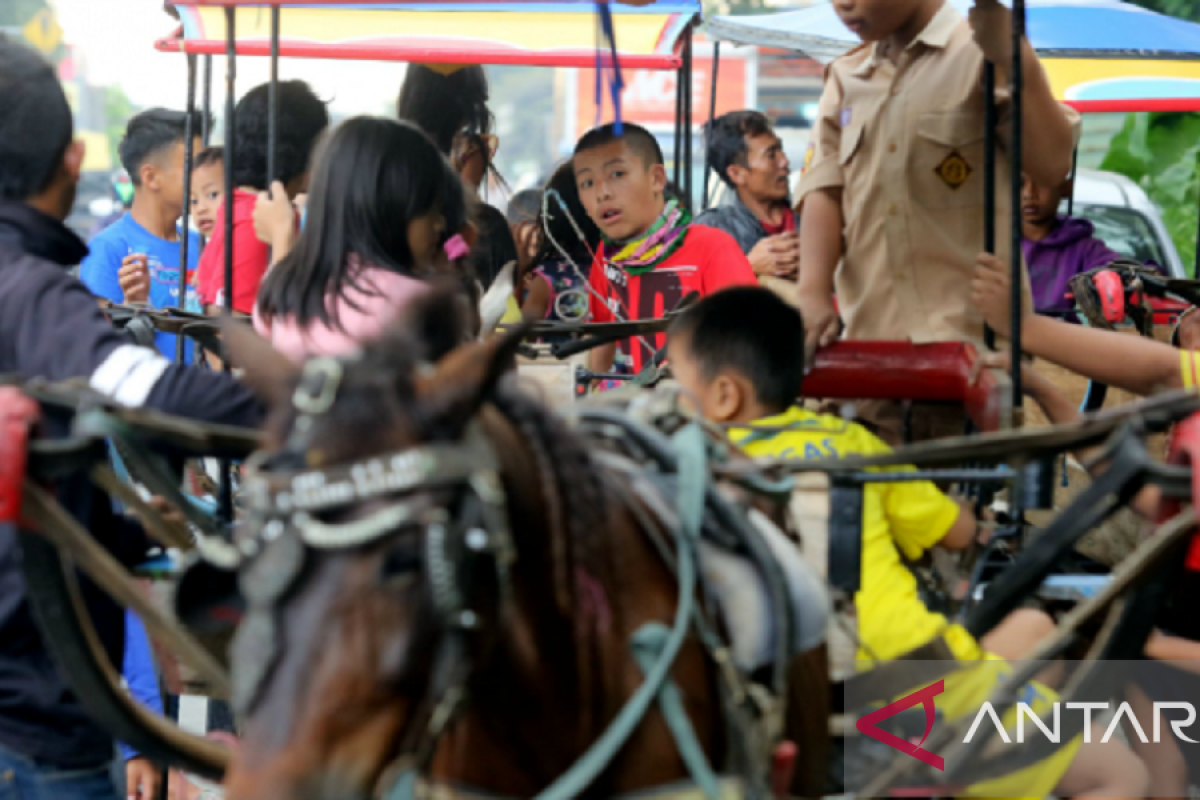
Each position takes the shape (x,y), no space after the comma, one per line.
(726,137)
(637,138)
(35,122)
(208,157)
(303,117)
(751,331)
(150,133)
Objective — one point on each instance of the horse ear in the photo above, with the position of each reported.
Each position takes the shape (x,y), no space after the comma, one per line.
(269,373)
(464,379)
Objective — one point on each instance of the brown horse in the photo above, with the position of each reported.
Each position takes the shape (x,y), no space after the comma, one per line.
(477,631)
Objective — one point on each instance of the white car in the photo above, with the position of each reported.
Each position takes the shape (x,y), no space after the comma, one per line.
(1125,219)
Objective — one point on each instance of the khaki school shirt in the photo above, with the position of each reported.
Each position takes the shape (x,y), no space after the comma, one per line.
(905,142)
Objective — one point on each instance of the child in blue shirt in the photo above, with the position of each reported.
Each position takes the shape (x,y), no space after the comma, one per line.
(136,259)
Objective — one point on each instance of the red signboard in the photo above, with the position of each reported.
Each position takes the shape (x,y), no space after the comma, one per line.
(649,96)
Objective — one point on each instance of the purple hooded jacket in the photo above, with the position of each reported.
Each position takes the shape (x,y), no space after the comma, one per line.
(1071,248)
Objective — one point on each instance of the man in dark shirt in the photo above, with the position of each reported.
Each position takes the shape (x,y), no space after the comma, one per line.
(51,328)
(747,155)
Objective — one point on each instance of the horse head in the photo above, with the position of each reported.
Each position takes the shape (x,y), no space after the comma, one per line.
(376,552)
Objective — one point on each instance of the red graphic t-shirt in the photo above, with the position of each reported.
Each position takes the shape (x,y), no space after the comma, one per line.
(250,258)
(708,261)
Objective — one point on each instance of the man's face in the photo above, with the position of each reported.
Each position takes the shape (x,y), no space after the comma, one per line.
(208,186)
(1039,205)
(621,194)
(875,20)
(765,176)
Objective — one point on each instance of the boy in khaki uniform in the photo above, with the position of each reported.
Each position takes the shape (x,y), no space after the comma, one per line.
(894,189)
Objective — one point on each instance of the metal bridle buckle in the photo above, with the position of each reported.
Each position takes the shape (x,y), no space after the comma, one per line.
(327,374)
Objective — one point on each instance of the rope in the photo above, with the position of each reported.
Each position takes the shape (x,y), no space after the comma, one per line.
(690,517)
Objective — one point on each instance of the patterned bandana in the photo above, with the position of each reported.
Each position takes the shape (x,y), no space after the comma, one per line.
(639,256)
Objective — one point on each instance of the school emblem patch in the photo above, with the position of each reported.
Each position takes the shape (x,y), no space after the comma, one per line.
(808,157)
(954,170)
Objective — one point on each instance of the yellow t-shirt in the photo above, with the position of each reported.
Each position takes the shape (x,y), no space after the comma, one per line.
(908,518)
(1189,368)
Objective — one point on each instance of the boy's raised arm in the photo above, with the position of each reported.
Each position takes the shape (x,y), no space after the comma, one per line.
(820,251)
(1133,363)
(821,222)
(1048,132)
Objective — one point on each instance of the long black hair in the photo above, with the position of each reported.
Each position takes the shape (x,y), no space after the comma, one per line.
(561,205)
(446,105)
(372,177)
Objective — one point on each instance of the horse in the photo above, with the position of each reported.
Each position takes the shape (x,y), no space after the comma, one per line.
(453,588)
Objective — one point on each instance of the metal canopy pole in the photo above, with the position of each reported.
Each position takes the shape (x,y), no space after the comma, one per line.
(273,100)
(230,147)
(712,115)
(225,487)
(206,103)
(678,121)
(687,116)
(989,175)
(1016,159)
(189,135)
(1074,170)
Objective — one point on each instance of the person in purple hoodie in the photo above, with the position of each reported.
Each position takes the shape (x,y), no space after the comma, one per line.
(1057,247)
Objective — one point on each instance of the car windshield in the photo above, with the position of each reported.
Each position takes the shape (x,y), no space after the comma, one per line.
(1124,230)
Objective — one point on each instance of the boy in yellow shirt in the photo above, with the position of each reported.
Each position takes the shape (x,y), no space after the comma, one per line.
(738,354)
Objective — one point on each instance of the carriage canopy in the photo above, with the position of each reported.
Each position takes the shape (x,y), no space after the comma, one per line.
(1100,55)
(548,34)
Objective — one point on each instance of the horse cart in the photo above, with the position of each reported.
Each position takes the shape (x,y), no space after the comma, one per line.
(410,598)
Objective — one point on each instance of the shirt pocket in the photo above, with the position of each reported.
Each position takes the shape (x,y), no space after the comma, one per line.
(948,160)
(851,141)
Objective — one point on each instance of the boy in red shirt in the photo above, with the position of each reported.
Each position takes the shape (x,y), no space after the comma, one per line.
(302,119)
(651,254)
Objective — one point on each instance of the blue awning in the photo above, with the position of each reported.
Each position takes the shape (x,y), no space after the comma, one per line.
(1057,28)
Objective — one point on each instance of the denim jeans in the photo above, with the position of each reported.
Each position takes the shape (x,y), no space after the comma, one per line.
(23,779)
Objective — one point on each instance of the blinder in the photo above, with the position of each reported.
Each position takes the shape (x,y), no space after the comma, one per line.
(466,555)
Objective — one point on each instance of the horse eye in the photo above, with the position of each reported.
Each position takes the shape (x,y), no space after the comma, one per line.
(400,562)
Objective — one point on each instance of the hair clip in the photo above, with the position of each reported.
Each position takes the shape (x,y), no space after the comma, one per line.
(456,247)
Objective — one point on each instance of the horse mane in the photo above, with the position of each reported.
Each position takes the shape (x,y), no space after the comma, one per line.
(579,506)
(579,503)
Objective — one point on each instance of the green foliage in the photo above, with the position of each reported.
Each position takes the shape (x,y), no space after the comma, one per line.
(1161,152)
(1184,9)
(15,13)
(117,111)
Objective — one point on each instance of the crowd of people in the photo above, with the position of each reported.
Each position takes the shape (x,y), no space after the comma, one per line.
(881,241)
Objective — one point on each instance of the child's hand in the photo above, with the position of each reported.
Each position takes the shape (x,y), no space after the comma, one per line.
(527,237)
(821,323)
(991,292)
(992,25)
(1033,383)
(134,278)
(1187,331)
(141,779)
(274,215)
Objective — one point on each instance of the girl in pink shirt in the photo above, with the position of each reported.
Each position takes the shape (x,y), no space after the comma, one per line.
(385,213)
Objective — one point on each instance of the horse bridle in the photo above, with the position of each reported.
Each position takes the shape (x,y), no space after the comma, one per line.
(284,508)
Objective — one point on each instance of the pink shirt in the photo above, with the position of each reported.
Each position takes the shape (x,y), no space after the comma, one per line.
(388,293)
